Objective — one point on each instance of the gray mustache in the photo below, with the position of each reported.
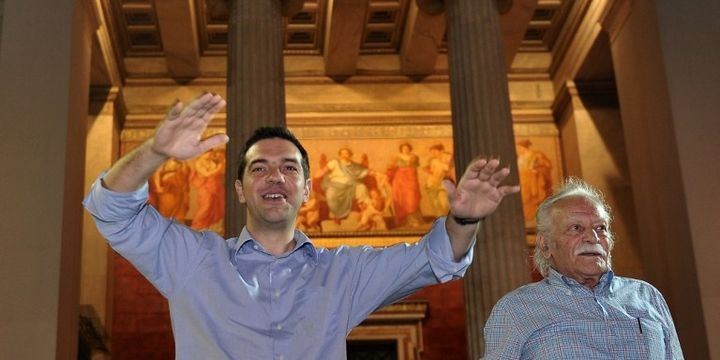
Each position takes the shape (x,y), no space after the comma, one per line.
(591,248)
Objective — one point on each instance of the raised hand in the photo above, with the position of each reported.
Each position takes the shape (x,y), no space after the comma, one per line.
(179,135)
(479,192)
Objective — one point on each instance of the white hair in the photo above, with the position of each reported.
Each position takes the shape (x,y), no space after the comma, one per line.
(571,187)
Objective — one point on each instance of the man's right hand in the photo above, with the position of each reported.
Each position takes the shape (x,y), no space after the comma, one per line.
(179,135)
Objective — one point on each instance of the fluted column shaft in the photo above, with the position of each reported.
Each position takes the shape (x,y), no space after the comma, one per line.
(256,92)
(482,125)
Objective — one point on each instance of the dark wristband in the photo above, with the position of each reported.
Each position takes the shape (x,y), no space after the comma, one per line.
(465,221)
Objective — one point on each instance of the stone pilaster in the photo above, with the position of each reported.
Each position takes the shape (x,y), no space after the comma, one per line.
(102,147)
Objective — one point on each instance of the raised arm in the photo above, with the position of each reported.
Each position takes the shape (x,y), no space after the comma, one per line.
(178,136)
(476,196)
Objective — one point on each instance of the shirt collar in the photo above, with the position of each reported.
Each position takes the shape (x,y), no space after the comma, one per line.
(555,278)
(302,243)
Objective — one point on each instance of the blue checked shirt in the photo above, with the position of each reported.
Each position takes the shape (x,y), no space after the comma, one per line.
(230,299)
(557,318)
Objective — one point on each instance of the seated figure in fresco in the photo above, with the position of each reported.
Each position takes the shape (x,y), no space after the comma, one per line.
(343,183)
(269,292)
(581,309)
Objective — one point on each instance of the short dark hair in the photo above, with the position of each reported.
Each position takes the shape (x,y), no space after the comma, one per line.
(268,132)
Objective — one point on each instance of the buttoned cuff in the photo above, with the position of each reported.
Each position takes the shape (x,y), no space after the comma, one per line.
(440,253)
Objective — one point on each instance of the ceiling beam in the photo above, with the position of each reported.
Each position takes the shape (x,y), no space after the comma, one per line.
(343,37)
(178,31)
(513,24)
(422,38)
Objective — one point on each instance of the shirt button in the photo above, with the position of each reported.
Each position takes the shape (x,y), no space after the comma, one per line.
(277,293)
(279,327)
(279,357)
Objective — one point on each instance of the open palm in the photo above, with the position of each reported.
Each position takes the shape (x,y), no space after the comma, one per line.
(478,192)
(180,134)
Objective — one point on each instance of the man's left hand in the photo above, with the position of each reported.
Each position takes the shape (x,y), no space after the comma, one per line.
(479,192)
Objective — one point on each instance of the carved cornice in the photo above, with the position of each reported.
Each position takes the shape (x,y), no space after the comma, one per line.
(407,131)
(563,100)
(139,135)
(545,129)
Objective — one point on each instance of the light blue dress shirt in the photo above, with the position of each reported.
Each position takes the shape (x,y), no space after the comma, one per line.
(230,299)
(557,318)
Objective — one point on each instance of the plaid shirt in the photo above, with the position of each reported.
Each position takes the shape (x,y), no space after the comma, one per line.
(557,318)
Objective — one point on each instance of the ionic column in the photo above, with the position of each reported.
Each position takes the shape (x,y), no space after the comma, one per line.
(256,93)
(482,125)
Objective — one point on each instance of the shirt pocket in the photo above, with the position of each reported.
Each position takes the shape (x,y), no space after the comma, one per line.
(653,338)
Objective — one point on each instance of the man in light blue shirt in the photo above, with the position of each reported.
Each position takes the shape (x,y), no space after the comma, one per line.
(581,310)
(270,293)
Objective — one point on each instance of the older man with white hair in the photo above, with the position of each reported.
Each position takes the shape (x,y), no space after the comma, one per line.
(581,309)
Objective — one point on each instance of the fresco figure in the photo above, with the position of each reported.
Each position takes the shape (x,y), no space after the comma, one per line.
(534,169)
(309,215)
(343,183)
(403,175)
(439,168)
(171,189)
(371,213)
(208,178)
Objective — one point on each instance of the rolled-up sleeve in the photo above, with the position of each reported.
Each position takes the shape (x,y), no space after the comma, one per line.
(108,207)
(162,250)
